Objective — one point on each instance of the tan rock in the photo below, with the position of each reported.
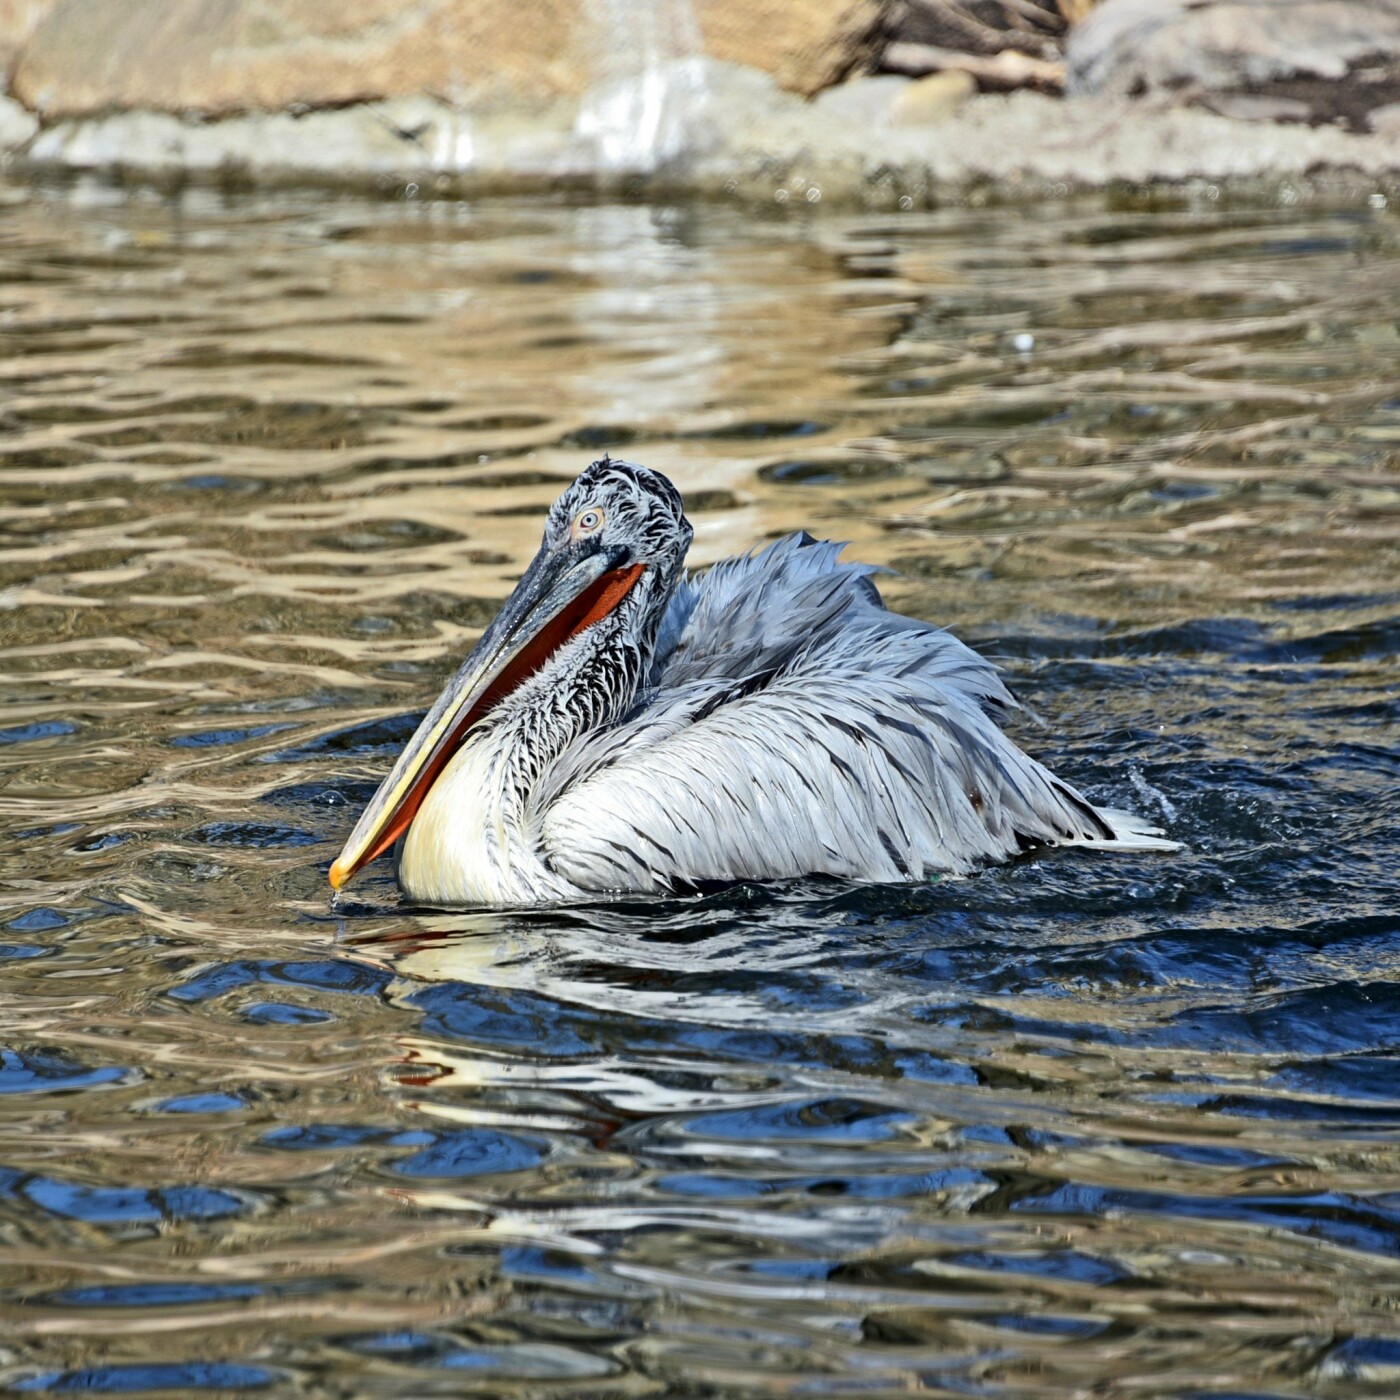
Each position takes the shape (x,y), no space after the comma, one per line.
(18,20)
(218,57)
(927,101)
(805,44)
(224,56)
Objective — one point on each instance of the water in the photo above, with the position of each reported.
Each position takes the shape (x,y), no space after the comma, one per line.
(1120,1127)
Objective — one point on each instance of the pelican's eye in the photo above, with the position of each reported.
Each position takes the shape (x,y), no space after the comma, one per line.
(587,522)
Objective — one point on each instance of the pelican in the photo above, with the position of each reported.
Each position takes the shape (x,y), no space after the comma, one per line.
(623,728)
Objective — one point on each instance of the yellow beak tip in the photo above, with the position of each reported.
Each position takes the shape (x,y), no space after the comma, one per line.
(339,875)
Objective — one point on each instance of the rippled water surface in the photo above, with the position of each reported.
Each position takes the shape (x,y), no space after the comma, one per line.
(1079,1126)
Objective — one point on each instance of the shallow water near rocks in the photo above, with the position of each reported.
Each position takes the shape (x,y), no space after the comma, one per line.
(1081,1125)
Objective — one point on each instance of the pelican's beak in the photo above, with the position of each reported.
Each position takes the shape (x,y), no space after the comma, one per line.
(564,591)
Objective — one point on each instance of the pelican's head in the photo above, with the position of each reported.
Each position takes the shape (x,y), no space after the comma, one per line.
(626,513)
(614,544)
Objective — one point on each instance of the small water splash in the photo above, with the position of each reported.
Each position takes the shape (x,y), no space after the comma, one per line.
(644,110)
(1152,794)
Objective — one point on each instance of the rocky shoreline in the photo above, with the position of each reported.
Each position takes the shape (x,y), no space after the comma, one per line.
(852,104)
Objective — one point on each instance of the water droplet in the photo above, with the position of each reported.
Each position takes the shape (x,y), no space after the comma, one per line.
(781,196)
(1377,201)
(905,202)
(813,194)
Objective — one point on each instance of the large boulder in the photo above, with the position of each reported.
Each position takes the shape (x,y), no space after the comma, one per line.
(805,44)
(217,57)
(1311,60)
(18,20)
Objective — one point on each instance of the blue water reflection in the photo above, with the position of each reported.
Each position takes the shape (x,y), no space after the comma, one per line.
(127,1380)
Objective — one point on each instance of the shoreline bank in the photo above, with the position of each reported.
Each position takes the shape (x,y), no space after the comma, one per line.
(1014,147)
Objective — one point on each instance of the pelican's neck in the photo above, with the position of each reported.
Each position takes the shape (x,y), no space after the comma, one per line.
(588,685)
(473,839)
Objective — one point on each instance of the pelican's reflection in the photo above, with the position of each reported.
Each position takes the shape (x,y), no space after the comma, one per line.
(597,1018)
(584,1075)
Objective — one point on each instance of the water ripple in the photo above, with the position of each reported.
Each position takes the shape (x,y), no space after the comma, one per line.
(1074,1126)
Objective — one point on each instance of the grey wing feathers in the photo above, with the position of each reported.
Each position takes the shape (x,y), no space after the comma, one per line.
(796,727)
(752,614)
